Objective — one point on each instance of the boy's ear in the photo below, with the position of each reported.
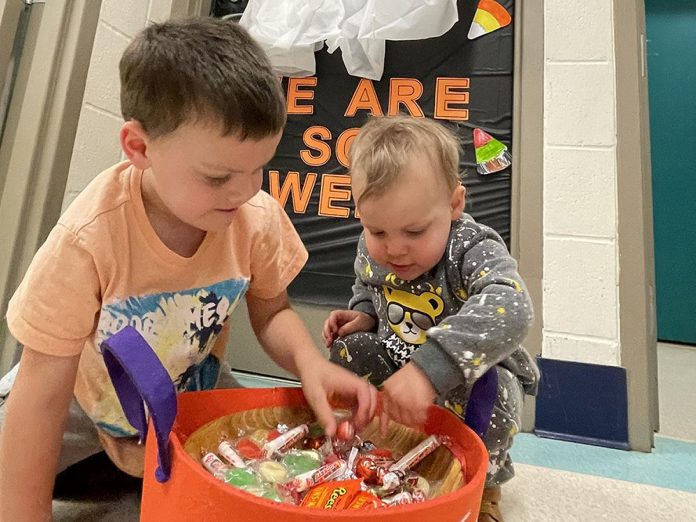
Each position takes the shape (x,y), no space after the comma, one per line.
(134,142)
(457,202)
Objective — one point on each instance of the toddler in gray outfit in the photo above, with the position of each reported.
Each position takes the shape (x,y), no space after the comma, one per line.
(437,301)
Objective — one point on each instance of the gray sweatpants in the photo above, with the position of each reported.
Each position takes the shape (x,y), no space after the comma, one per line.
(366,355)
(80,438)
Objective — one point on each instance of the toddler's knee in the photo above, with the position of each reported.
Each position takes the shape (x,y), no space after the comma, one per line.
(339,353)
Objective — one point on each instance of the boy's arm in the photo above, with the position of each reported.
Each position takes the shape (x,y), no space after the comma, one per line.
(490,325)
(32,433)
(286,340)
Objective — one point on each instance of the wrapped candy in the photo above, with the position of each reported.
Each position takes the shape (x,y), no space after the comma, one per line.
(325,473)
(417,454)
(214,465)
(227,451)
(400,498)
(364,499)
(332,495)
(301,461)
(345,430)
(343,472)
(272,471)
(248,449)
(239,477)
(284,442)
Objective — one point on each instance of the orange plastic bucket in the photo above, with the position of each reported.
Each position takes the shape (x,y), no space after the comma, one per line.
(191,493)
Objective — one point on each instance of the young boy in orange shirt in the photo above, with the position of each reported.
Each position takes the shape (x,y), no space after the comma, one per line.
(437,302)
(168,242)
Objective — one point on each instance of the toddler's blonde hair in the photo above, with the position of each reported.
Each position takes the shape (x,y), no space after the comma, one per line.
(386,144)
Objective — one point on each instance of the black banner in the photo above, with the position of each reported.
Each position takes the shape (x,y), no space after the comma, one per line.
(464,83)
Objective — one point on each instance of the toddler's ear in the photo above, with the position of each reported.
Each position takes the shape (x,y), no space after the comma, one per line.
(457,202)
(134,142)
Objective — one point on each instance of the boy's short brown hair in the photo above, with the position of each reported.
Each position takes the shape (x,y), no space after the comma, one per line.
(200,70)
(385,145)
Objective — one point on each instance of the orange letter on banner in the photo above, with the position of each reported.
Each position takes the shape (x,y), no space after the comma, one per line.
(448,92)
(312,138)
(295,94)
(300,196)
(343,143)
(364,97)
(330,193)
(406,91)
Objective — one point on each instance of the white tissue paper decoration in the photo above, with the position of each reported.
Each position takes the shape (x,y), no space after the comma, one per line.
(290,31)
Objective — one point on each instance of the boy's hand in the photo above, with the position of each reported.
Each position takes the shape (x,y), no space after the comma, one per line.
(324,380)
(345,322)
(407,396)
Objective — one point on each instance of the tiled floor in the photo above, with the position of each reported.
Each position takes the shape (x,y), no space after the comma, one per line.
(556,481)
(676,374)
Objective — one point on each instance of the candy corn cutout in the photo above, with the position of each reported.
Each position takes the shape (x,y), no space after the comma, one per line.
(489,17)
(491,155)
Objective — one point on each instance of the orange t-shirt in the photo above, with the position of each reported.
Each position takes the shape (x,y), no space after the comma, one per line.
(103,267)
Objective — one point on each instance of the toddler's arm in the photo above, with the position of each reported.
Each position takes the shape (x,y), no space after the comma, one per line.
(32,433)
(492,322)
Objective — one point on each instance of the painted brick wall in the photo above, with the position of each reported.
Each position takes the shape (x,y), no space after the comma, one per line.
(580,205)
(96,143)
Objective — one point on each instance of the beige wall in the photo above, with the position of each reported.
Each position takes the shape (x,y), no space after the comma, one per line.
(581,270)
(96,143)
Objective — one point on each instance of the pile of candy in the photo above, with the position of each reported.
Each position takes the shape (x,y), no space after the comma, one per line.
(302,466)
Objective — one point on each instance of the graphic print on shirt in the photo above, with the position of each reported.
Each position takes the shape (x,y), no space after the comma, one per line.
(180,326)
(409,316)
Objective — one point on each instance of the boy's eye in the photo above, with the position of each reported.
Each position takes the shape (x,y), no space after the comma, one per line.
(377,233)
(216,182)
(415,233)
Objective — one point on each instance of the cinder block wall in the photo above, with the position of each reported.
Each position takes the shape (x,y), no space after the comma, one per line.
(96,142)
(581,320)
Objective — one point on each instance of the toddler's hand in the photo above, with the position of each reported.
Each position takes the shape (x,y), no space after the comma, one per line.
(407,396)
(344,322)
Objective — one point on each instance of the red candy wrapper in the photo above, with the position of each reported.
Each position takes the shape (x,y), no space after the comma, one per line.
(345,430)
(417,454)
(248,449)
(332,495)
(366,467)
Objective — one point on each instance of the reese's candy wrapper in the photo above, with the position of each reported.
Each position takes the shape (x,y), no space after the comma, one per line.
(365,500)
(332,495)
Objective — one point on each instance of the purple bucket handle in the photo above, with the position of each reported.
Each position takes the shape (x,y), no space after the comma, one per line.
(139,379)
(481,402)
